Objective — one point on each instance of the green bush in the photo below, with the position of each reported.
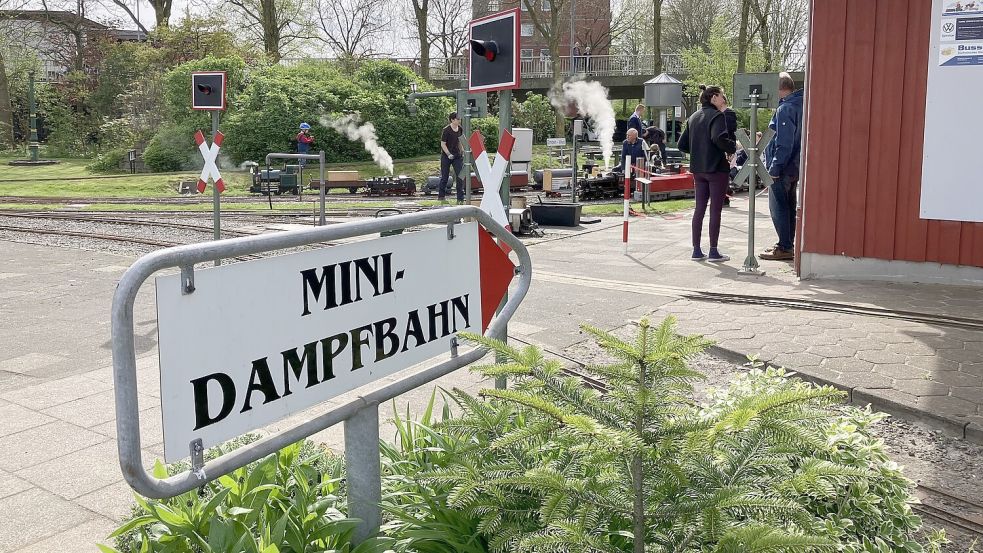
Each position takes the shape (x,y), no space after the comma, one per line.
(488,127)
(767,465)
(277,99)
(109,161)
(535,113)
(287,503)
(169,150)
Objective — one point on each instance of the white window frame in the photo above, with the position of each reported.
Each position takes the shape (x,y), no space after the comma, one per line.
(525,53)
(527,30)
(546,5)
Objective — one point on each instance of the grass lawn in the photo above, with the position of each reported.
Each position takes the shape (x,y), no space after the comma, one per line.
(74,180)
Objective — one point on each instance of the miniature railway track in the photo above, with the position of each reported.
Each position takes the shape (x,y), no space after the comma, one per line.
(942,506)
(845,308)
(106,237)
(97,218)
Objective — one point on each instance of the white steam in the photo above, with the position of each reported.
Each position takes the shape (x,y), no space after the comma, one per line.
(591,100)
(348,126)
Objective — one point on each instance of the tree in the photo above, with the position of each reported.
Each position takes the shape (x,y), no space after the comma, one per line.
(162,13)
(13,49)
(789,23)
(689,23)
(657,35)
(354,29)
(275,23)
(761,13)
(742,36)
(421,14)
(447,27)
(551,25)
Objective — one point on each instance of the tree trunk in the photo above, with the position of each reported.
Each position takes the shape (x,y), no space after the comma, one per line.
(162,12)
(742,38)
(763,31)
(6,111)
(422,12)
(271,31)
(561,122)
(657,36)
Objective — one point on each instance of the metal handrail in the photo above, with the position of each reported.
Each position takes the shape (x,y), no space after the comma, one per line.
(538,66)
(186,256)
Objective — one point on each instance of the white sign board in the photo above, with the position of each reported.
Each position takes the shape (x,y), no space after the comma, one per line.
(260,340)
(556,141)
(951,170)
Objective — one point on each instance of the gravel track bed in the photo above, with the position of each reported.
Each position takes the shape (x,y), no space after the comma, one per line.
(163,234)
(928,456)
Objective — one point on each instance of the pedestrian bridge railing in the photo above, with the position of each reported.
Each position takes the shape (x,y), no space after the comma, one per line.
(615,65)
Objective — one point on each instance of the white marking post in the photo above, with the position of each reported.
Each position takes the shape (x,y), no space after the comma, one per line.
(624,231)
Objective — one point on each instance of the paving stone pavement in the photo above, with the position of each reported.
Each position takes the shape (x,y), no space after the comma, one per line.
(60,484)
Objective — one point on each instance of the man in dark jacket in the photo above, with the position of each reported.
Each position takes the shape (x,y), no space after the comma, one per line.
(782,161)
(635,121)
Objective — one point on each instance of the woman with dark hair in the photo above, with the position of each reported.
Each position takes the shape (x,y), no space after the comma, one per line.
(708,142)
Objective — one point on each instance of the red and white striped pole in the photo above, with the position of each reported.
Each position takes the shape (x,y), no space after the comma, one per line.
(624,229)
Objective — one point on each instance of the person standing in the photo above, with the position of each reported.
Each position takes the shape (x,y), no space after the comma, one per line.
(304,141)
(635,120)
(782,161)
(633,147)
(656,139)
(587,59)
(450,154)
(708,143)
(577,66)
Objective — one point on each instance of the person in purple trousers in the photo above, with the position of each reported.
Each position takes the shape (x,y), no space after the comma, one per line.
(708,142)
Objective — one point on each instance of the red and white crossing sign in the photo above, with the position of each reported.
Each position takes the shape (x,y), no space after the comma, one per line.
(491,175)
(210,153)
(240,353)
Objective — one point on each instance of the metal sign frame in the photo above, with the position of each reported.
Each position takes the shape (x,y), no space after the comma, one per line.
(360,415)
(517,36)
(223,91)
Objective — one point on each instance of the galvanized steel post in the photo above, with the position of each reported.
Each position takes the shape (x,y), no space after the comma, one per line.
(504,124)
(363,471)
(216,213)
(754,158)
(324,186)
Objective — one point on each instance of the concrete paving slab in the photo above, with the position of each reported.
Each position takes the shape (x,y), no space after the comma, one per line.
(10,484)
(46,442)
(17,418)
(24,524)
(114,502)
(56,392)
(76,473)
(79,539)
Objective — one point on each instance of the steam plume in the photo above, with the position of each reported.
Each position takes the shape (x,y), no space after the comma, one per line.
(348,126)
(591,100)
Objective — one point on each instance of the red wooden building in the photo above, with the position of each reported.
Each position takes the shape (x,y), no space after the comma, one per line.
(863,141)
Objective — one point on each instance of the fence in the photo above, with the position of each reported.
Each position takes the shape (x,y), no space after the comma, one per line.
(616,65)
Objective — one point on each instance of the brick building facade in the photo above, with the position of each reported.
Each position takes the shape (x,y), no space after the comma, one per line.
(592,24)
